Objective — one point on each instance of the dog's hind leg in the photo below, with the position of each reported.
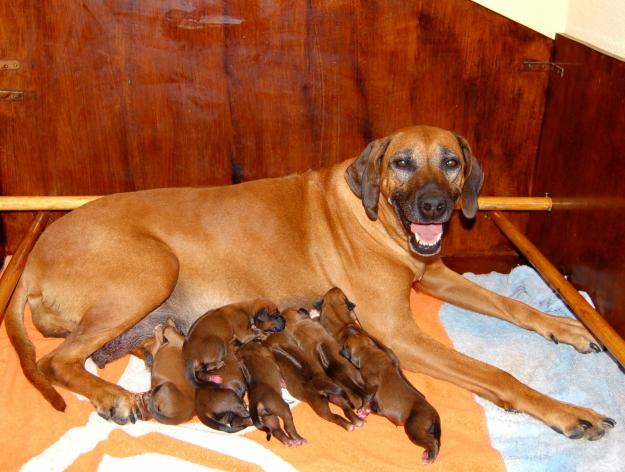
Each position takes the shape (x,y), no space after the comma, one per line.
(443,283)
(112,306)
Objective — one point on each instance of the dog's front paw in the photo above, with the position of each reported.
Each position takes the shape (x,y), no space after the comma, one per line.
(569,331)
(117,405)
(576,423)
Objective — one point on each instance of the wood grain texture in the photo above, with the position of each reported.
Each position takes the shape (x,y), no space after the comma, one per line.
(581,157)
(125,95)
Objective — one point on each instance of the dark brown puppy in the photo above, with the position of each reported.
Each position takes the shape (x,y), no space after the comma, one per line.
(393,396)
(212,335)
(171,398)
(264,384)
(221,409)
(219,404)
(314,339)
(303,383)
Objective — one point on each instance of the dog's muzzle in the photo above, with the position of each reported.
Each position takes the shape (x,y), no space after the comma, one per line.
(423,218)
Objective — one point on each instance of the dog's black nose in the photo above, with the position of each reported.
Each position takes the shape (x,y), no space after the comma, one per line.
(432,206)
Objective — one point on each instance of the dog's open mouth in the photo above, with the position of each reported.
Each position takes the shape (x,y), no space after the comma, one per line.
(424,239)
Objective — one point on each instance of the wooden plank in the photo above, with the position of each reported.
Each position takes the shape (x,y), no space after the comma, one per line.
(125,95)
(581,161)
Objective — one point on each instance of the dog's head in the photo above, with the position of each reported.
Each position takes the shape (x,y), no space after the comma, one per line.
(267,317)
(420,172)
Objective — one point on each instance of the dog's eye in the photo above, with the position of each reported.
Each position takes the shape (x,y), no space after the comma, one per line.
(402,163)
(451,163)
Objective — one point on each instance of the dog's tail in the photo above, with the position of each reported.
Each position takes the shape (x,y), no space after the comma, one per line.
(423,427)
(25,349)
(256,419)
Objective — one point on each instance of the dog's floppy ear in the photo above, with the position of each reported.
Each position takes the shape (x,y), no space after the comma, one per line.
(363,175)
(473,180)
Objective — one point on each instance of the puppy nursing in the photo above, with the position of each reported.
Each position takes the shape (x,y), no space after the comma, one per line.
(392,395)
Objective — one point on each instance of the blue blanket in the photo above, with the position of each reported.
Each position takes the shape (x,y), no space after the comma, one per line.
(589,380)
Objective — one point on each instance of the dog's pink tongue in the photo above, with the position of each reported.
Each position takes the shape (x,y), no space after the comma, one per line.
(427,234)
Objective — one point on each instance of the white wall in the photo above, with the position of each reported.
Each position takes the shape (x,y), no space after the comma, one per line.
(599,23)
(545,16)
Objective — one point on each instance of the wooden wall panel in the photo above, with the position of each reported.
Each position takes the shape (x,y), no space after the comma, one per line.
(127,95)
(582,156)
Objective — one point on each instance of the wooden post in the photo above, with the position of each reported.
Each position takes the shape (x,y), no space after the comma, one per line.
(595,323)
(64,203)
(13,272)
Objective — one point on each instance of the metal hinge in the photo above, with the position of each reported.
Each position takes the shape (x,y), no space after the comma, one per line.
(10,64)
(543,66)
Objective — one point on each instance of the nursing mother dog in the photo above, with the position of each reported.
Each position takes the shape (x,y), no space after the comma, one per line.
(371,225)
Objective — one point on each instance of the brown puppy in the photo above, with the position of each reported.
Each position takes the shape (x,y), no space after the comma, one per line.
(213,335)
(171,398)
(393,396)
(305,384)
(221,409)
(264,384)
(219,402)
(107,266)
(313,338)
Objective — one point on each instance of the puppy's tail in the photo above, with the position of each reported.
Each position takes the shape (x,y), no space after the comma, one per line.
(25,349)
(257,421)
(211,423)
(423,427)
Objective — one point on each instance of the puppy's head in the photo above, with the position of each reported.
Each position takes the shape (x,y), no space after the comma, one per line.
(203,357)
(336,311)
(418,173)
(355,344)
(267,317)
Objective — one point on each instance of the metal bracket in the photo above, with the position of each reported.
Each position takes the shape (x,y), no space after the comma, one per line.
(9,65)
(11,95)
(543,66)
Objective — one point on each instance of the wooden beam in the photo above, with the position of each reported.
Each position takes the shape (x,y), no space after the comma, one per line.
(595,323)
(64,203)
(14,269)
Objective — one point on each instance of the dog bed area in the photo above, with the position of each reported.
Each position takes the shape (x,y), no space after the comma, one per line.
(476,435)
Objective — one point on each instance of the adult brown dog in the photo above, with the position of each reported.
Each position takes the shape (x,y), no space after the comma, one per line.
(369,225)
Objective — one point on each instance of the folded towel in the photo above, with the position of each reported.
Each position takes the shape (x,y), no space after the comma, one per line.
(590,380)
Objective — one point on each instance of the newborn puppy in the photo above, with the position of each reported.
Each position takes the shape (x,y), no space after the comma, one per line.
(221,409)
(393,396)
(313,338)
(299,379)
(307,355)
(213,334)
(219,403)
(264,382)
(171,398)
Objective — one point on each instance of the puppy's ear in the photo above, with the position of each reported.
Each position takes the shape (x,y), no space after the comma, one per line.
(473,180)
(363,175)
(262,315)
(346,353)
